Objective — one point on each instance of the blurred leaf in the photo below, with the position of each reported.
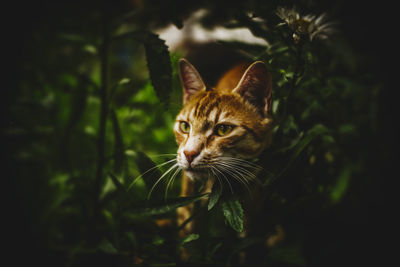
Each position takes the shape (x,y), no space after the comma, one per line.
(233,213)
(214,195)
(158,240)
(289,124)
(347,129)
(167,206)
(119,155)
(120,187)
(275,105)
(188,239)
(315,131)
(124,81)
(91,49)
(341,185)
(107,247)
(78,103)
(311,134)
(116,86)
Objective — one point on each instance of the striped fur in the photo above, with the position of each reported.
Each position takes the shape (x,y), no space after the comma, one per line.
(204,109)
(242,101)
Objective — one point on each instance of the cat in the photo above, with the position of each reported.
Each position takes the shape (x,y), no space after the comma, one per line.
(219,130)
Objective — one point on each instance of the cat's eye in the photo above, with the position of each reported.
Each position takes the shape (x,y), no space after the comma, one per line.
(223,129)
(184,127)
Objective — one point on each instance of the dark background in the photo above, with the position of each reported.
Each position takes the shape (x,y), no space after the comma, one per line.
(370,30)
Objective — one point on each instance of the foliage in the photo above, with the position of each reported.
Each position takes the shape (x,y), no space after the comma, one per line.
(94,109)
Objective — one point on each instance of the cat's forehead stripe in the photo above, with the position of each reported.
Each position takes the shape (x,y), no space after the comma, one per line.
(201,103)
(195,109)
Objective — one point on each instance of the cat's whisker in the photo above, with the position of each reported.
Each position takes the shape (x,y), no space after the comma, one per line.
(149,170)
(171,181)
(237,176)
(242,162)
(248,162)
(245,166)
(249,175)
(226,166)
(226,179)
(162,176)
(215,175)
(235,166)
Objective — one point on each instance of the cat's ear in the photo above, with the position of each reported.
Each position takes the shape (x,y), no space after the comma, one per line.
(256,87)
(191,80)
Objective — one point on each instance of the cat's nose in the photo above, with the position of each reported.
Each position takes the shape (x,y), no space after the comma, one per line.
(190,155)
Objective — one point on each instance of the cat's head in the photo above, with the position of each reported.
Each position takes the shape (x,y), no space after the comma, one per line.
(220,128)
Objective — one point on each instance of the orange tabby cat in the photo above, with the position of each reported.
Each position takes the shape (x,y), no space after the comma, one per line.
(219,129)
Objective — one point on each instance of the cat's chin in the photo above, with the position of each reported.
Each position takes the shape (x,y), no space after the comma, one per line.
(196,173)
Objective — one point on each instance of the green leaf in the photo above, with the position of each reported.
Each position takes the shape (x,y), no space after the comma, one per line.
(159,64)
(107,247)
(124,81)
(78,103)
(158,61)
(314,132)
(167,206)
(188,239)
(341,186)
(117,183)
(214,196)
(233,213)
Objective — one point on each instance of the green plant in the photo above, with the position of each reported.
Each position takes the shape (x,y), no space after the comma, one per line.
(96,102)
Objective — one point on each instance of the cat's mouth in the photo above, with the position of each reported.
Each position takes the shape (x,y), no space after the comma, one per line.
(197,172)
(195,169)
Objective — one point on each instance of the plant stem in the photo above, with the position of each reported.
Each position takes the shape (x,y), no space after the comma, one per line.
(296,72)
(104,60)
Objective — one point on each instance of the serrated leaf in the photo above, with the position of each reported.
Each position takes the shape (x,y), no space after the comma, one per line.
(233,213)
(214,196)
(159,64)
(167,206)
(158,61)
